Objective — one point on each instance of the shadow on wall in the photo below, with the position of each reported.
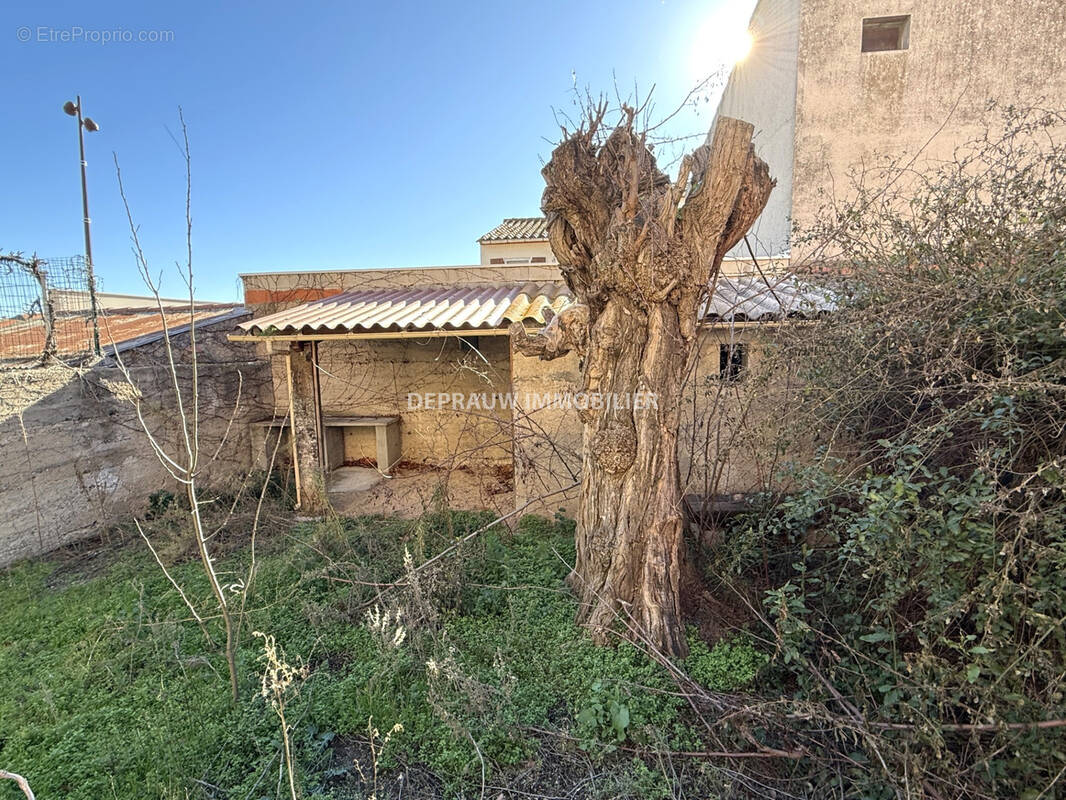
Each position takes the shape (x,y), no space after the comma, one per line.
(76,459)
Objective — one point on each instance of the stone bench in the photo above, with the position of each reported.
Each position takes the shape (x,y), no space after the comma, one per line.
(387,434)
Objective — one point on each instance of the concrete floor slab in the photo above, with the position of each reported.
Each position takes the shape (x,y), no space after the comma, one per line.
(352,479)
(413,490)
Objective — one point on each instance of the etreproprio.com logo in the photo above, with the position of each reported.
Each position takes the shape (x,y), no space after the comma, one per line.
(76,34)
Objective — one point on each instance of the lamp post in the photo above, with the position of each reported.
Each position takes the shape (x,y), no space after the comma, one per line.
(86,124)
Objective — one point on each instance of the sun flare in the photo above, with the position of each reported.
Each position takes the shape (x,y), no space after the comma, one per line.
(722,41)
(740,47)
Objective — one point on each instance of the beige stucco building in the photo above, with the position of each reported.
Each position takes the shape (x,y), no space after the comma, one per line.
(831,85)
(415,367)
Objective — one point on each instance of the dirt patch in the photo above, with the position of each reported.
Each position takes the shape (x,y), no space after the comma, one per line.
(88,559)
(559,771)
(414,489)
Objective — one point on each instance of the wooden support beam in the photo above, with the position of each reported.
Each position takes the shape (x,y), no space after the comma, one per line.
(306,414)
(292,438)
(280,339)
(320,432)
(330,337)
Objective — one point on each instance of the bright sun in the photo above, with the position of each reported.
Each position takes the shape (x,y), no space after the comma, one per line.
(741,47)
(721,41)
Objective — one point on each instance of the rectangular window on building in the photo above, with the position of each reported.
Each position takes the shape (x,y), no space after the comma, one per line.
(732,360)
(885,33)
(470,344)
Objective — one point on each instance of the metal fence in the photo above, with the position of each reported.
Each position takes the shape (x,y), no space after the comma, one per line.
(44,306)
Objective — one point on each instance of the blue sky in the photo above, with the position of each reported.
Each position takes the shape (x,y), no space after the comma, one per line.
(323,134)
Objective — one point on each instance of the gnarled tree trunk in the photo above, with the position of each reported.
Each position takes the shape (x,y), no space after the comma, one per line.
(640,254)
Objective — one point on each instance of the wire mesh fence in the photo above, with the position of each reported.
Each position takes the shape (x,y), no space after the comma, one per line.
(44,308)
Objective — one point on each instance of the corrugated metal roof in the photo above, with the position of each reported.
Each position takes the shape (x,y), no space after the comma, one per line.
(518,229)
(750,298)
(469,307)
(487,306)
(23,337)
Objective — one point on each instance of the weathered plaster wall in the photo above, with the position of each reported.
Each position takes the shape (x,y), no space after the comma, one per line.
(375,377)
(76,460)
(735,434)
(729,430)
(547,439)
(821,107)
(852,105)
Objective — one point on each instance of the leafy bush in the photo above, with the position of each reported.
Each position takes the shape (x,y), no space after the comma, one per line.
(158,503)
(920,578)
(728,665)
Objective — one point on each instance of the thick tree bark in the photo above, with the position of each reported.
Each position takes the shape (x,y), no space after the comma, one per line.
(640,254)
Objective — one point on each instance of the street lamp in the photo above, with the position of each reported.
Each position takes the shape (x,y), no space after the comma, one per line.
(86,124)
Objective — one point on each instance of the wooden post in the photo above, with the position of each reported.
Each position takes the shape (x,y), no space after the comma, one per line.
(320,431)
(292,436)
(304,404)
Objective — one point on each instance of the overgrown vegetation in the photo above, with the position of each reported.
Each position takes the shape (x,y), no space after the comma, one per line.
(910,590)
(919,575)
(110,692)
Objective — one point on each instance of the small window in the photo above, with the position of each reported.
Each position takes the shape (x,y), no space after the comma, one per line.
(732,360)
(470,344)
(539,259)
(516,260)
(885,33)
(495,260)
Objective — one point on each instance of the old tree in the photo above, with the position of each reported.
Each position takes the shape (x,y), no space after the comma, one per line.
(639,252)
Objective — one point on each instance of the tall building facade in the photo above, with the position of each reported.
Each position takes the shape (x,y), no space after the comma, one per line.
(831,85)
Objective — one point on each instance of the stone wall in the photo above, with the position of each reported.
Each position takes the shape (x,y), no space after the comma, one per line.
(547,442)
(395,377)
(76,460)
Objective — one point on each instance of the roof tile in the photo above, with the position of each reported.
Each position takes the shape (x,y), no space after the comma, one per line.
(23,337)
(518,229)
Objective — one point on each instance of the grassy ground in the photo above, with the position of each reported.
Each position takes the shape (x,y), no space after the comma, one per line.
(110,691)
